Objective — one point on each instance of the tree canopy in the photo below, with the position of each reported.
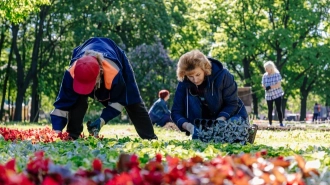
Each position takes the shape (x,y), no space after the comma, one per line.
(37,38)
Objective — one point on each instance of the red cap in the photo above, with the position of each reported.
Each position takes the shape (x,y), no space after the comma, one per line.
(85,74)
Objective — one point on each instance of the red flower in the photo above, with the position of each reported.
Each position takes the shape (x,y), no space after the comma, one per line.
(19,179)
(122,179)
(134,162)
(159,158)
(11,165)
(50,181)
(137,179)
(97,165)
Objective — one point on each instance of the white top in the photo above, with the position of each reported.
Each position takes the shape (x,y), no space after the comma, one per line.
(269,80)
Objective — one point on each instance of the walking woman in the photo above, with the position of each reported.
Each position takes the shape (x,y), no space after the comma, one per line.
(271,82)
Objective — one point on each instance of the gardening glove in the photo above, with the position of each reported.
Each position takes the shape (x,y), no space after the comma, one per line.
(95,127)
(267,88)
(191,128)
(221,118)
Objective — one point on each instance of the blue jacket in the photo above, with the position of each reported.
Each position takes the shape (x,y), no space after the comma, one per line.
(158,110)
(220,95)
(122,92)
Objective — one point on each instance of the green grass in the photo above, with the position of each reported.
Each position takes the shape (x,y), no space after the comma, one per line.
(296,139)
(311,144)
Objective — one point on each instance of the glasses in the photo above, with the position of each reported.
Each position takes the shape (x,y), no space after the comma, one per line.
(98,86)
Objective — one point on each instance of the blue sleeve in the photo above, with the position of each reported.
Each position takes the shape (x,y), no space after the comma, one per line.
(178,108)
(108,113)
(64,101)
(58,122)
(164,107)
(66,97)
(229,96)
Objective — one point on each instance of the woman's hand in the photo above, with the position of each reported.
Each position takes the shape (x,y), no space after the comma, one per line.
(221,118)
(189,127)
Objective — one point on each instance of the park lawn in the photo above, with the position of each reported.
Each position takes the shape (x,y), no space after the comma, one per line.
(295,139)
(312,145)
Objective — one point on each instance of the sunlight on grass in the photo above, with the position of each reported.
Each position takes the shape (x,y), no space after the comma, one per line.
(296,139)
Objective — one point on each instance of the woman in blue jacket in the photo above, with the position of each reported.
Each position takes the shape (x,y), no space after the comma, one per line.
(206,90)
(99,69)
(159,112)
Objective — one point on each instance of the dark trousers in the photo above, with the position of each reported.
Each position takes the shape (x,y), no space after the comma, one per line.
(315,116)
(76,117)
(141,120)
(162,122)
(137,113)
(278,105)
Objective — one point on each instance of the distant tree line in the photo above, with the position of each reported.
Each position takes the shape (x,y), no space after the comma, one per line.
(37,38)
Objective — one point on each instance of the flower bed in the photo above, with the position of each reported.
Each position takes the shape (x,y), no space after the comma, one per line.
(219,164)
(45,135)
(241,169)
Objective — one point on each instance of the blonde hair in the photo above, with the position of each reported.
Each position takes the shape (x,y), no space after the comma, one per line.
(189,61)
(99,57)
(271,66)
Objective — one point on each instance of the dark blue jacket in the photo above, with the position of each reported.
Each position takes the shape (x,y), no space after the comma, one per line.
(124,89)
(158,110)
(220,95)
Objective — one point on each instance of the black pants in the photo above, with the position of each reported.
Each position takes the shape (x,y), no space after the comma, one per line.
(141,120)
(278,105)
(76,117)
(315,116)
(137,113)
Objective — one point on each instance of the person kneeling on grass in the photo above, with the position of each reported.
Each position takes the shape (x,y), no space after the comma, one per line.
(99,69)
(206,90)
(159,112)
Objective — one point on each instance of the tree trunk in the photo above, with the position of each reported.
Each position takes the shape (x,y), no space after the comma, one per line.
(247,75)
(20,76)
(23,83)
(304,95)
(255,105)
(34,112)
(5,82)
(34,64)
(304,91)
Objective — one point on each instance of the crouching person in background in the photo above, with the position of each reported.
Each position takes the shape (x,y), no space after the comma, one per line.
(99,69)
(159,112)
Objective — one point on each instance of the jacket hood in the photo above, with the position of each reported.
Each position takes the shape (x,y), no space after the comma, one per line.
(217,68)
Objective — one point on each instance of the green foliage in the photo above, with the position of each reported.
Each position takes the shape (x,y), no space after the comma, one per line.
(186,28)
(17,11)
(153,69)
(81,152)
(130,23)
(242,34)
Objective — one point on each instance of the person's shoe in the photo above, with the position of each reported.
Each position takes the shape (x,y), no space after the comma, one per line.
(282,125)
(269,125)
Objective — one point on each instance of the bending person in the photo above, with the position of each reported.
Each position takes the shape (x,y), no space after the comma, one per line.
(99,69)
